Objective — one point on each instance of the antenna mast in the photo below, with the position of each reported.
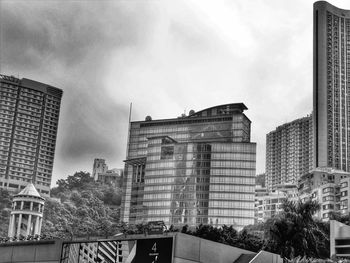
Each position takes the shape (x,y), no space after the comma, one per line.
(127,146)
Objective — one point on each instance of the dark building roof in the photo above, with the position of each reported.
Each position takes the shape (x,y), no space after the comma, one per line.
(212,112)
(220,109)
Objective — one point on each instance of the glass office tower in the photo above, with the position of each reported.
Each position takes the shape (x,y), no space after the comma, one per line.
(192,169)
(29,112)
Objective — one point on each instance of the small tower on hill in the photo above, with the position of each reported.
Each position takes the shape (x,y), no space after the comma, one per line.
(27,213)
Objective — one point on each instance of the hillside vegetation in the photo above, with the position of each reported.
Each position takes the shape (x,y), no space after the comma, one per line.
(78,207)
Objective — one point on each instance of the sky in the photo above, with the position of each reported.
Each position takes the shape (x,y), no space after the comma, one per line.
(164,57)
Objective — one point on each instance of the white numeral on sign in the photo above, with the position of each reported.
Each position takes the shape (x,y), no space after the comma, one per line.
(154,248)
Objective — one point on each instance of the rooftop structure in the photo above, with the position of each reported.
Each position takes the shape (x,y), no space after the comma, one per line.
(27,213)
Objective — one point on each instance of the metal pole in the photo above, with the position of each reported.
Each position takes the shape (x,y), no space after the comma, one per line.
(129,127)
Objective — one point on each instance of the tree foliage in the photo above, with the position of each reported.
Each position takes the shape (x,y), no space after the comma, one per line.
(82,182)
(227,235)
(86,208)
(78,181)
(5,210)
(294,232)
(79,207)
(83,214)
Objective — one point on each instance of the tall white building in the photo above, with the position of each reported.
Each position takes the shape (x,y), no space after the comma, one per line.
(331,86)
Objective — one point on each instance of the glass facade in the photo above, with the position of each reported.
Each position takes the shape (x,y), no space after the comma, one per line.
(29,113)
(191,170)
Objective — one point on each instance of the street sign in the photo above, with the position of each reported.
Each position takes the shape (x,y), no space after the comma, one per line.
(154,250)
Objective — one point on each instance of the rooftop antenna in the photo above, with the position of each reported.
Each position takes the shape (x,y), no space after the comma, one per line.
(127,146)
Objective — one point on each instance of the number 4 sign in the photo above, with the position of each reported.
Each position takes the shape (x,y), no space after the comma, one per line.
(154,250)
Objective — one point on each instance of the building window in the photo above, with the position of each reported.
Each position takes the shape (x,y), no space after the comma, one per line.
(344,193)
(167,152)
(328,198)
(344,184)
(344,204)
(328,206)
(328,190)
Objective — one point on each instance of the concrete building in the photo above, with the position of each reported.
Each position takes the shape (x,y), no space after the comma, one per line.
(29,112)
(173,247)
(260,194)
(111,177)
(344,195)
(288,152)
(326,186)
(270,204)
(99,166)
(27,213)
(331,103)
(192,169)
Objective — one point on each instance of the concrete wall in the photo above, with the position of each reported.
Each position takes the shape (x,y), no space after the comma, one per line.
(190,249)
(339,231)
(186,249)
(31,252)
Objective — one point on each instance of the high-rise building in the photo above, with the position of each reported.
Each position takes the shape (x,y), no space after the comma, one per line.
(192,169)
(288,152)
(100,166)
(29,112)
(331,109)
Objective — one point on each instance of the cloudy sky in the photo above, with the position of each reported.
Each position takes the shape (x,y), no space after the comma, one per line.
(166,57)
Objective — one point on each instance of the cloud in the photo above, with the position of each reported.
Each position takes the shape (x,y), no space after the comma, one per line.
(68,45)
(36,32)
(165,57)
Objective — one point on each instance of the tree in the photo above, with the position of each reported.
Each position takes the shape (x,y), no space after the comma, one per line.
(5,210)
(208,232)
(294,232)
(229,235)
(79,181)
(84,214)
(249,241)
